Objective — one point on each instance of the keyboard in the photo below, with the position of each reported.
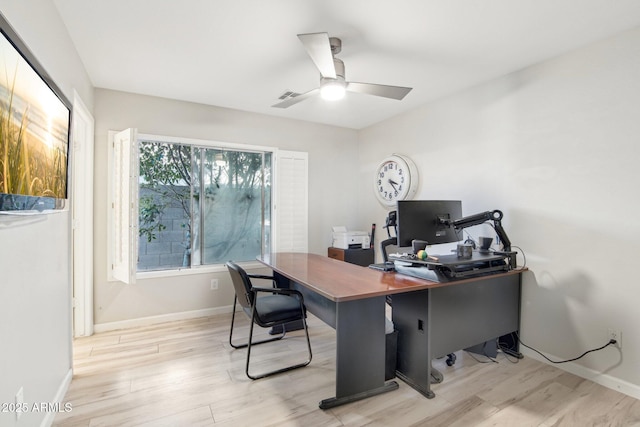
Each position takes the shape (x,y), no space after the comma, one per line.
(385,266)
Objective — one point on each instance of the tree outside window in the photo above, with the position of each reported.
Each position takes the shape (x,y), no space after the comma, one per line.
(201,205)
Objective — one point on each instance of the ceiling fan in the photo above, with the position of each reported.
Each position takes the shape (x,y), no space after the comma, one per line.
(322,50)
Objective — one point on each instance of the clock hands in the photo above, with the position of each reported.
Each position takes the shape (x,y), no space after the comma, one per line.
(396,178)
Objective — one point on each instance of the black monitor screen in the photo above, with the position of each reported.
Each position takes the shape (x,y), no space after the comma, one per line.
(421,220)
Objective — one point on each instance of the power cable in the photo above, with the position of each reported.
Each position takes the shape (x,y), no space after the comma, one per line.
(611,342)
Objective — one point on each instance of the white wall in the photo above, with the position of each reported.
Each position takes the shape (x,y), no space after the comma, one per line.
(35,253)
(332,181)
(555,147)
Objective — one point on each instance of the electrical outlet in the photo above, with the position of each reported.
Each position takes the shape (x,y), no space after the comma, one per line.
(214,284)
(19,403)
(615,334)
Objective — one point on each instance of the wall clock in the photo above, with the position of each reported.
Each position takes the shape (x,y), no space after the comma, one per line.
(396,179)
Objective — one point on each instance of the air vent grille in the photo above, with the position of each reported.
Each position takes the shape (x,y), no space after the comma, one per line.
(288,94)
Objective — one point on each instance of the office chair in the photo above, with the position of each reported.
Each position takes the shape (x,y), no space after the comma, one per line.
(277,307)
(391,241)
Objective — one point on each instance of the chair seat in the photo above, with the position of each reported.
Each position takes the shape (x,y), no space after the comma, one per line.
(276,308)
(266,307)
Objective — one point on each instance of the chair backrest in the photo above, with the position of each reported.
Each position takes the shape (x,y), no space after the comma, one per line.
(241,284)
(386,246)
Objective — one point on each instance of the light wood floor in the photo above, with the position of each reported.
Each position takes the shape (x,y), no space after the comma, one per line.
(185,374)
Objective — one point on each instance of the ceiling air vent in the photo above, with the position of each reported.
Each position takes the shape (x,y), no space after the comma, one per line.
(288,94)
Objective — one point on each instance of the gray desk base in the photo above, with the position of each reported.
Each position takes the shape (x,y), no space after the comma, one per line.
(360,346)
(438,321)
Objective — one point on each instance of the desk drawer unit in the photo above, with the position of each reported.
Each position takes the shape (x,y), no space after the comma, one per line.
(362,257)
(442,320)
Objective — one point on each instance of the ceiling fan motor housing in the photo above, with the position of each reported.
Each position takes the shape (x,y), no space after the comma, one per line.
(339,66)
(336,45)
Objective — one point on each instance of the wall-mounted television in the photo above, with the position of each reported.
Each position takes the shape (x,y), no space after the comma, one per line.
(35,119)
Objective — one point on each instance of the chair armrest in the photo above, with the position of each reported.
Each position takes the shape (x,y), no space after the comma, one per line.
(260,276)
(283,291)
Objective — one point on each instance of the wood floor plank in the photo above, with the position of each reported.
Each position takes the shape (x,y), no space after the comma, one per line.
(465,413)
(591,404)
(185,373)
(403,407)
(198,417)
(519,385)
(529,409)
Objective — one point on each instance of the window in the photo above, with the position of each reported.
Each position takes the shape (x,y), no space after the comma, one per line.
(198,203)
(201,205)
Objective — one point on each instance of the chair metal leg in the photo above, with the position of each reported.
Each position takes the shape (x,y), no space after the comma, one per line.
(233,317)
(277,371)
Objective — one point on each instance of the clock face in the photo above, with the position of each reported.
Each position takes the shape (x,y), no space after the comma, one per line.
(395,180)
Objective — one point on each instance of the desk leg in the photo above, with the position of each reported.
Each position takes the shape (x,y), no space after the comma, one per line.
(360,358)
(412,318)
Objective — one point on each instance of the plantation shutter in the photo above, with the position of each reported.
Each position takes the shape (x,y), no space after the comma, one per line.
(124,206)
(291,205)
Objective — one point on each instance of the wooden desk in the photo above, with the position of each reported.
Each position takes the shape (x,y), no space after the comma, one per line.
(362,257)
(441,320)
(351,299)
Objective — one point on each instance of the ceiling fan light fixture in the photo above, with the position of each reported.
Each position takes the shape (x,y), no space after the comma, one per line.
(332,89)
(322,50)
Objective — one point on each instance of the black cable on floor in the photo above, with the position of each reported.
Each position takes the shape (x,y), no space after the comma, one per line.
(508,352)
(611,342)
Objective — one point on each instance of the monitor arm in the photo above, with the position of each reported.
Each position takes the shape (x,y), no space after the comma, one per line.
(471,220)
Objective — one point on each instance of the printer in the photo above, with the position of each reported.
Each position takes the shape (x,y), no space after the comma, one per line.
(344,239)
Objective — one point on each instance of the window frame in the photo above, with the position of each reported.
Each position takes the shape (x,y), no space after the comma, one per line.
(198,269)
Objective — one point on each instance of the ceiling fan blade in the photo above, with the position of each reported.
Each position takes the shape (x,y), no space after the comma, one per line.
(295,99)
(319,49)
(393,92)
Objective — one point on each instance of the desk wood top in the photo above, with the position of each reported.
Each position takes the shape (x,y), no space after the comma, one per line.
(340,281)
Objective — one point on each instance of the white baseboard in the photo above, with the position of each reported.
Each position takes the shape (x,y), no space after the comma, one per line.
(58,398)
(153,320)
(597,377)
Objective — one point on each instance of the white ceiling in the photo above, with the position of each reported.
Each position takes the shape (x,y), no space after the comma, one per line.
(243,54)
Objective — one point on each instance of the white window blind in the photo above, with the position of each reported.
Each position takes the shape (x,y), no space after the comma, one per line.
(291,205)
(124,206)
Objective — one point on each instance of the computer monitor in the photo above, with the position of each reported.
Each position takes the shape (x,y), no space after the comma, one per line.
(421,220)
